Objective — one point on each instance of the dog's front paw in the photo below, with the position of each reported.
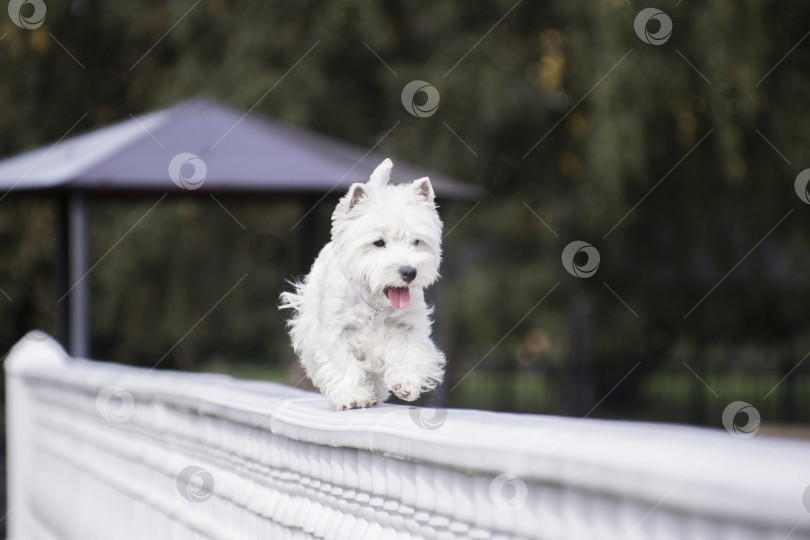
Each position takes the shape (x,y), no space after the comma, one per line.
(358,399)
(362,403)
(406,391)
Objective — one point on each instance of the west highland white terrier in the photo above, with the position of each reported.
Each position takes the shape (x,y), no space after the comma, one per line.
(361,326)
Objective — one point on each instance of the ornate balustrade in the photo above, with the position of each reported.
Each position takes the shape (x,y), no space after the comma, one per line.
(99,450)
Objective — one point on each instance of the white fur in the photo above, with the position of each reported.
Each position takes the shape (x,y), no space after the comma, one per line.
(352,356)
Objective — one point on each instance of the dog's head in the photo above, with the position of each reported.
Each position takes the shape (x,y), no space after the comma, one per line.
(388,236)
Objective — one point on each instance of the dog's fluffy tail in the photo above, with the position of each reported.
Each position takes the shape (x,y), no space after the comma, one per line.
(293,299)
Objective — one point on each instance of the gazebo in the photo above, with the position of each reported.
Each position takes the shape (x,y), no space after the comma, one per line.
(198,147)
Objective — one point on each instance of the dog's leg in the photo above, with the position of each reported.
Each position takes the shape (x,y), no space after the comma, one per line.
(338,375)
(413,365)
(382,390)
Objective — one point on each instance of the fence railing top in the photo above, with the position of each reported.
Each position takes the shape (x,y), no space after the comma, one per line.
(722,473)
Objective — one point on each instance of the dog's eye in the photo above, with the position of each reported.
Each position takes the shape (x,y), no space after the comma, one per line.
(380,243)
(416,242)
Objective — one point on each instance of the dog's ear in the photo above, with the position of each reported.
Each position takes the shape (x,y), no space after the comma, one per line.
(423,189)
(381,174)
(356,194)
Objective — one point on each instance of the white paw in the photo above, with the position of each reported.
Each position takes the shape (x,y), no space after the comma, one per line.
(406,390)
(362,403)
(357,399)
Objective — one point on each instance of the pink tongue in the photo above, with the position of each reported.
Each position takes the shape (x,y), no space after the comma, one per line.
(399,297)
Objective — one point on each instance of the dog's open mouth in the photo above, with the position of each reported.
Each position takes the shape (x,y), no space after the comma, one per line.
(399,297)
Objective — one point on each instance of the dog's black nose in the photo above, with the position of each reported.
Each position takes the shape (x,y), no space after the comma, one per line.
(408,273)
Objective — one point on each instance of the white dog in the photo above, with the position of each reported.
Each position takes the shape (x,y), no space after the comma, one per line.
(360,324)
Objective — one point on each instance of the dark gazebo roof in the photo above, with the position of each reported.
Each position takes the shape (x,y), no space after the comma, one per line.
(242,154)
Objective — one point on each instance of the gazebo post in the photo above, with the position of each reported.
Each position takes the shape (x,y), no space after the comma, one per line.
(78,344)
(62,308)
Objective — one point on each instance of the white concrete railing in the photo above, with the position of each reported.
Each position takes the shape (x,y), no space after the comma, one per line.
(105,451)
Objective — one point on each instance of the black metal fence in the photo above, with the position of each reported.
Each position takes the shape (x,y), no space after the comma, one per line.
(678,393)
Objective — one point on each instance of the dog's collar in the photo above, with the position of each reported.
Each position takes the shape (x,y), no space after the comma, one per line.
(378,308)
